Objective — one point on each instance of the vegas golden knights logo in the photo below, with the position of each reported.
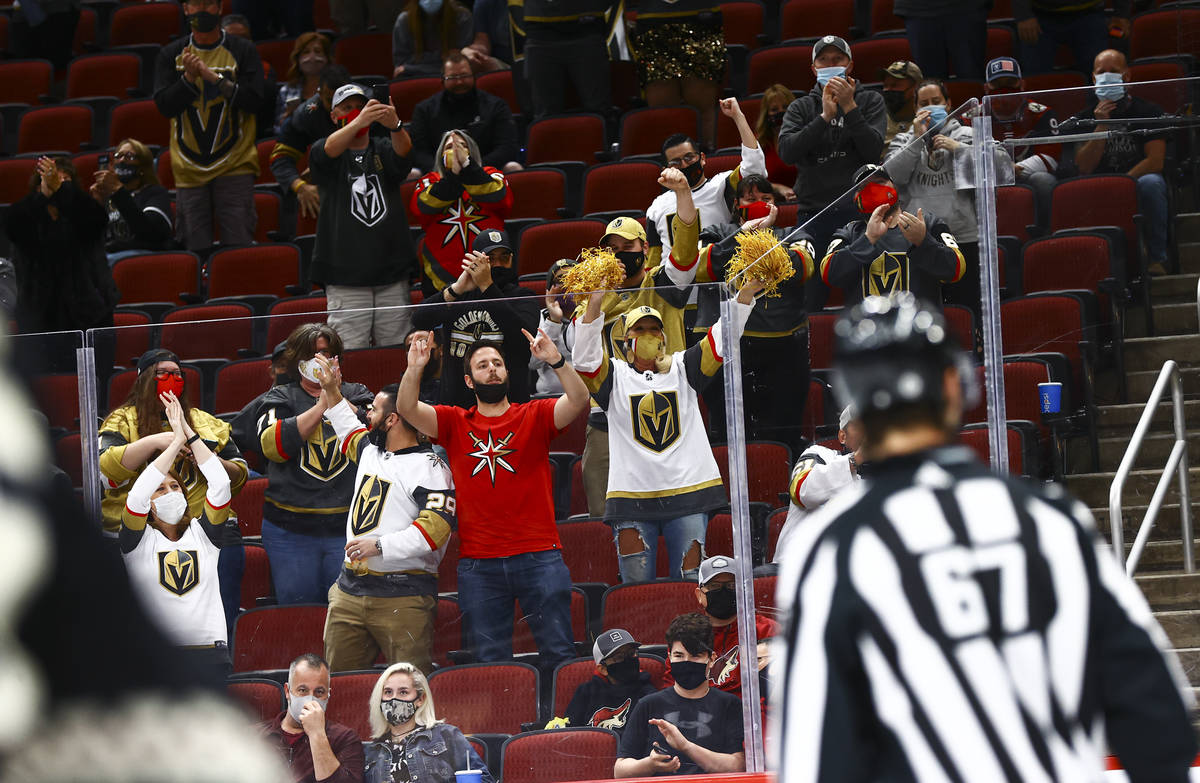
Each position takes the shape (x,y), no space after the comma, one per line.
(368,504)
(178,570)
(655,419)
(321,457)
(887,274)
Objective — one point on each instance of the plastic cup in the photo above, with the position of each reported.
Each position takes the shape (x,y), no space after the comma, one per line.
(469,776)
(1050,396)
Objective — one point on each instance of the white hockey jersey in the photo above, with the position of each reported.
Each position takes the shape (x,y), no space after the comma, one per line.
(819,474)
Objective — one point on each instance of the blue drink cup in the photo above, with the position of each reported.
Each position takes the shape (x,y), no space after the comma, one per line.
(469,776)
(1050,397)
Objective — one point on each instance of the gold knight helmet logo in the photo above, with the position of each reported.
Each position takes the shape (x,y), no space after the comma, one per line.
(368,504)
(655,419)
(321,458)
(178,570)
(887,274)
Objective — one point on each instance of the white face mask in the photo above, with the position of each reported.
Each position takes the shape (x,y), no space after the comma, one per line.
(169,508)
(308,370)
(296,704)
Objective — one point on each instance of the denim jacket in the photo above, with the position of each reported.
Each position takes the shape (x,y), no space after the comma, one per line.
(433,755)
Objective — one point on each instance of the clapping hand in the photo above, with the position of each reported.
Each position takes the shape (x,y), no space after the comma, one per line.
(912,227)
(51,176)
(174,415)
(877,224)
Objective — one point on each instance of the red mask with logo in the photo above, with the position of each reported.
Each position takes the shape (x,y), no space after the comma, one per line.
(874,195)
(348,118)
(754,210)
(172,383)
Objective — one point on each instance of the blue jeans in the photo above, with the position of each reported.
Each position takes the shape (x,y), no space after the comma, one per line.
(302,567)
(1152,201)
(487,588)
(1086,34)
(231,564)
(679,534)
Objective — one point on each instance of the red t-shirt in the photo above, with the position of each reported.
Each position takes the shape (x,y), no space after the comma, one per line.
(502,481)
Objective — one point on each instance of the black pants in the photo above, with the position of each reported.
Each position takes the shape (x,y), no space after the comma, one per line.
(821,226)
(52,40)
(269,17)
(953,39)
(582,61)
(775,374)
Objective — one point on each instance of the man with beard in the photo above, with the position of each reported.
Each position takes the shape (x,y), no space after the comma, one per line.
(401,516)
(499,455)
(1016,117)
(460,105)
(900,80)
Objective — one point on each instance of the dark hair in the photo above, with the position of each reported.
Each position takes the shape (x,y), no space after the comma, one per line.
(479,345)
(63,164)
(941,85)
(676,139)
(311,660)
(754,182)
(693,630)
(229,19)
(143,398)
(302,344)
(293,75)
(334,76)
(922,413)
(389,393)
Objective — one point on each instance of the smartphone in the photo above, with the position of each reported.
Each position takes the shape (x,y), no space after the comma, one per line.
(102,163)
(656,748)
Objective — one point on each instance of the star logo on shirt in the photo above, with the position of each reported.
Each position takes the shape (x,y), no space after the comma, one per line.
(461,218)
(491,454)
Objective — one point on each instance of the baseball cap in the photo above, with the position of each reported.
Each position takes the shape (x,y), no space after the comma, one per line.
(348,91)
(279,351)
(903,69)
(609,642)
(640,312)
(153,357)
(846,417)
(625,227)
(830,40)
(719,564)
(489,240)
(1002,67)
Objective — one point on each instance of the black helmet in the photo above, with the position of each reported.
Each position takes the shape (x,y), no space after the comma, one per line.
(891,351)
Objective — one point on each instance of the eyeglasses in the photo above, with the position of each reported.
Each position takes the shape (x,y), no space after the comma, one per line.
(125,156)
(686,160)
(457,77)
(162,375)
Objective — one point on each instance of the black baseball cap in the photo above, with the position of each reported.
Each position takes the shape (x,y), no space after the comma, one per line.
(490,239)
(152,357)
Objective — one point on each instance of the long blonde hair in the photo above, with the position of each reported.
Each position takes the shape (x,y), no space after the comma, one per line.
(763,131)
(425,714)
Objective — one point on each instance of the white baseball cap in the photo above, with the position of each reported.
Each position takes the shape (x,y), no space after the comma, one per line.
(348,91)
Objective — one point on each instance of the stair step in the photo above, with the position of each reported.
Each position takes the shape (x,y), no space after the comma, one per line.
(1189,659)
(1140,383)
(1153,453)
(1177,318)
(1092,488)
(1171,591)
(1149,353)
(1187,227)
(1173,288)
(1166,526)
(1121,420)
(1182,627)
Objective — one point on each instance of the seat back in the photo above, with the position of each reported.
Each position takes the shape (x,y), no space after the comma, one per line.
(814,18)
(407,93)
(1065,263)
(240,382)
(1165,32)
(627,185)
(558,755)
(374,367)
(569,675)
(287,314)
(447,630)
(231,329)
(149,23)
(272,637)
(1045,323)
(97,75)
(15,174)
(523,641)
(132,335)
(256,269)
(256,578)
(775,524)
(537,193)
(262,700)
(576,137)
(820,340)
(1171,97)
(57,396)
(589,552)
(487,698)
(1015,211)
(883,20)
(644,130)
(141,120)
(54,128)
(976,438)
(544,243)
(1099,200)
(25,81)
(247,504)
(645,608)
(366,54)
(157,277)
(278,54)
(742,21)
(960,321)
(68,456)
(500,84)
(349,700)
(872,55)
(787,64)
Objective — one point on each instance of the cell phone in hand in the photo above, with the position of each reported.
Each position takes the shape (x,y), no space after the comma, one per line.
(656,748)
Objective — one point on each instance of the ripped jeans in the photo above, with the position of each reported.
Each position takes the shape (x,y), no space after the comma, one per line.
(680,533)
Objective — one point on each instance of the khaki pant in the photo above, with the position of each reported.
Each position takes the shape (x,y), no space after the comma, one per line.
(595,469)
(357,627)
(351,314)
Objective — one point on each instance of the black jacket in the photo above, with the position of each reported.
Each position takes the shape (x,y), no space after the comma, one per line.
(486,118)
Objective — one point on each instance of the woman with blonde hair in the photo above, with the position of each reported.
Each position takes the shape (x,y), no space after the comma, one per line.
(775,101)
(310,55)
(410,743)
(139,209)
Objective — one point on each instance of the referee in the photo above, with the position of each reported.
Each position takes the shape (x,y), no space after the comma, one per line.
(943,623)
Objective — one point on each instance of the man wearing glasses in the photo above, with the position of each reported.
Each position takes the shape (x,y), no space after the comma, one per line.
(460,106)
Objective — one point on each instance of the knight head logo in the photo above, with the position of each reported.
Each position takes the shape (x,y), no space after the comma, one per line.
(367,201)
(368,504)
(655,419)
(887,274)
(178,570)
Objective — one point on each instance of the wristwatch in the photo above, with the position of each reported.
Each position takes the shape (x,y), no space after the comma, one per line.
(399,127)
(561,361)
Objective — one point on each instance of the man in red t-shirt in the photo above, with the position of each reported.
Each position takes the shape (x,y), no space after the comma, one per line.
(499,456)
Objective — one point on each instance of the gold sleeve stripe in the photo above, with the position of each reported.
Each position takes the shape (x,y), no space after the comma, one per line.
(215,516)
(431,269)
(825,268)
(271,441)
(794,487)
(735,177)
(432,202)
(133,520)
(960,266)
(353,437)
(710,357)
(806,261)
(433,527)
(487,188)
(285,151)
(595,379)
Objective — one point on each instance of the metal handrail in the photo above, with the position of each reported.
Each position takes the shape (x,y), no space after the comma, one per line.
(1177,462)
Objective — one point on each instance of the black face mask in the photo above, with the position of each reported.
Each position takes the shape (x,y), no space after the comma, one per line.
(722,604)
(378,438)
(126,172)
(458,100)
(503,276)
(694,173)
(491,393)
(633,261)
(689,674)
(893,100)
(775,118)
(624,672)
(203,22)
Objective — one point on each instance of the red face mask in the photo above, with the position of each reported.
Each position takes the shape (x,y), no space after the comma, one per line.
(1004,102)
(348,118)
(873,195)
(171,383)
(754,210)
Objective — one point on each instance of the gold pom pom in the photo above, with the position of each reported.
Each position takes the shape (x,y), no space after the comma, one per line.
(760,256)
(598,270)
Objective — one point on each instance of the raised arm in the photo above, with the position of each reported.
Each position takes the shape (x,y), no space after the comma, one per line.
(575,394)
(408,403)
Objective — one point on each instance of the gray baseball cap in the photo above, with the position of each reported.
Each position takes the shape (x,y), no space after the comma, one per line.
(609,642)
(719,564)
(834,41)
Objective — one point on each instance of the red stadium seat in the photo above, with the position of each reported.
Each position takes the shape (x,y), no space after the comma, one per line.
(25,81)
(58,397)
(374,367)
(719,538)
(883,20)
(54,128)
(287,314)
(764,595)
(1000,43)
(875,54)
(817,409)
(589,552)
(350,693)
(272,637)
(111,75)
(263,700)
(448,568)
(1064,103)
(544,243)
(775,524)
(1067,262)
(253,270)
(1016,215)
(569,675)
(1171,97)
(537,192)
(646,608)
(121,383)
(574,137)
(132,330)
(786,64)
(559,755)
(85,31)
(407,93)
(145,23)
(572,438)
(247,504)
(743,22)
(86,166)
(256,579)
(768,468)
(622,186)
(578,496)
(447,630)
(820,340)
(500,84)
(963,90)
(240,382)
(1021,377)
(365,54)
(493,698)
(523,641)
(157,277)
(1051,323)
(643,131)
(961,323)
(162,167)
(68,456)
(1100,200)
(15,174)
(727,132)
(976,437)
(1165,32)
(229,329)
(815,18)
(278,54)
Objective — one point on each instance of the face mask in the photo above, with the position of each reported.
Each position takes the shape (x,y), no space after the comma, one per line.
(825,74)
(1110,86)
(169,508)
(694,173)
(754,210)
(625,671)
(689,674)
(632,260)
(775,118)
(430,7)
(311,64)
(126,172)
(172,383)
(308,370)
(722,604)
(937,114)
(296,704)
(398,711)
(893,100)
(378,436)
(348,118)
(203,22)
(491,393)
(646,347)
(874,194)
(1004,102)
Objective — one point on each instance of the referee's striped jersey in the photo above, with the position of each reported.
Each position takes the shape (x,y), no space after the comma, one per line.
(942,623)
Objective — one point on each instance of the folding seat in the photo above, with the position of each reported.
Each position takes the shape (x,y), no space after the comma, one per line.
(492,698)
(264,148)
(820,340)
(718,539)
(743,22)
(588,552)
(537,192)
(815,18)
(764,595)
(210,331)
(963,90)
(768,469)
(624,186)
(57,396)
(644,130)
(543,244)
(447,630)
(86,165)
(727,132)
(287,314)
(85,32)
(569,675)
(624,80)
(365,54)
(787,64)
(103,75)
(278,54)
(583,753)
(69,457)
(1000,42)
(571,439)
(256,270)
(268,206)
(162,167)
(448,568)
(646,608)
(500,84)
(144,23)
(1001,9)
(1016,215)
(568,137)
(247,504)
(1053,323)
(349,707)
(15,174)
(975,436)
(1100,201)
(25,81)
(716,164)
(240,382)
(407,93)
(374,367)
(55,128)
(961,323)
(872,55)
(157,277)
(523,641)
(1172,97)
(1073,261)
(819,416)
(132,332)
(262,699)
(272,637)
(535,283)
(578,497)
(256,579)
(1165,32)
(883,21)
(121,383)
(775,524)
